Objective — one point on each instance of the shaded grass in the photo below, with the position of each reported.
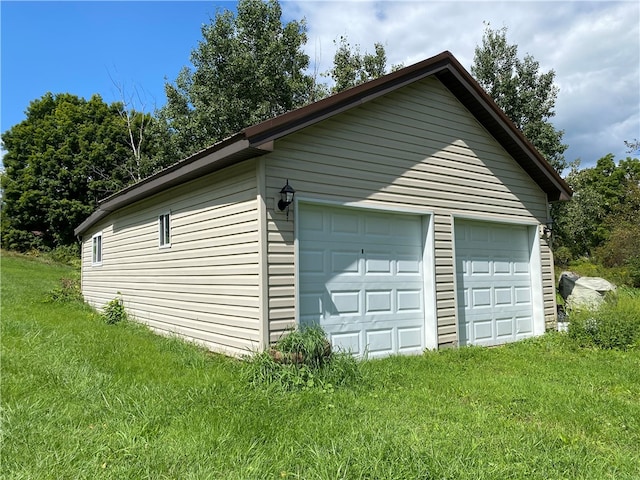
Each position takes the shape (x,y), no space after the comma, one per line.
(82,399)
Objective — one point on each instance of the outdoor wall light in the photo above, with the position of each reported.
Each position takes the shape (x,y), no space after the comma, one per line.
(286,198)
(547,230)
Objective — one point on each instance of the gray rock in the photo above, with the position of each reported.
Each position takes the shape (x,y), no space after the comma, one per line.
(583,292)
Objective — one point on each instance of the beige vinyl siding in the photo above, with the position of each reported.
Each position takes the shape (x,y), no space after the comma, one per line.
(548,285)
(204,287)
(281,272)
(416,148)
(445,280)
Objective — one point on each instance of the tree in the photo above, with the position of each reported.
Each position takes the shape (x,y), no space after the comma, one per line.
(66,155)
(525,95)
(144,136)
(247,68)
(351,68)
(604,211)
(633,146)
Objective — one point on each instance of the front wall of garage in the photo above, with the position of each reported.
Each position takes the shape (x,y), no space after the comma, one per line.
(415,149)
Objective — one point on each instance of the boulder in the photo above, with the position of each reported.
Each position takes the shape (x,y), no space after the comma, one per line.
(583,292)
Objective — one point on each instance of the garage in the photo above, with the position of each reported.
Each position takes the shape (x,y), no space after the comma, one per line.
(361,277)
(494,283)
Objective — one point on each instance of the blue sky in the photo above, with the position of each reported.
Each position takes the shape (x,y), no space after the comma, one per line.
(79,47)
(83,47)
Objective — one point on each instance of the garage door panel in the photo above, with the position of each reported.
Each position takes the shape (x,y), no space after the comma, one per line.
(480,267)
(345,303)
(521,267)
(412,229)
(377,226)
(345,263)
(312,222)
(343,225)
(522,295)
(313,262)
(494,282)
(377,264)
(379,301)
(410,339)
(524,326)
(483,329)
(503,296)
(346,341)
(463,296)
(480,297)
(504,327)
(408,264)
(501,266)
(311,305)
(380,341)
(479,234)
(408,301)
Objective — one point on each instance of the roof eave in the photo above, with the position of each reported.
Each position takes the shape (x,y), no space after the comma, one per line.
(221,155)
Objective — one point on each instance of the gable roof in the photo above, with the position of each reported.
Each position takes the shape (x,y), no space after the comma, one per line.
(258,139)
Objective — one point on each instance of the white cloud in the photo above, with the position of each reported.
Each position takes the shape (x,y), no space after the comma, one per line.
(594,48)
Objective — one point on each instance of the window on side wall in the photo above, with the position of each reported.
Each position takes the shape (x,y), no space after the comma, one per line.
(96,251)
(164,230)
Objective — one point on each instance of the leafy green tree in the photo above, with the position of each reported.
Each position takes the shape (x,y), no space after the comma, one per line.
(247,68)
(66,155)
(527,96)
(351,68)
(604,211)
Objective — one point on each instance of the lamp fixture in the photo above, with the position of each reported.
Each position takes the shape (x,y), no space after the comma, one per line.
(286,198)
(547,230)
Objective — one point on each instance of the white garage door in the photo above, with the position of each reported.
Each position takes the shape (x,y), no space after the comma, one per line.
(361,278)
(494,283)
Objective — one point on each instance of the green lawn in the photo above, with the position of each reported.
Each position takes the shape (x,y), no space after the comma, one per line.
(82,399)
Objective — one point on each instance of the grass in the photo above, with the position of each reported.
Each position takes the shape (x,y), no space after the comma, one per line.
(303,359)
(614,324)
(83,399)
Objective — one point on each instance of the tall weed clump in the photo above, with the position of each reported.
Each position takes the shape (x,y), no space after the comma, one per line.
(301,360)
(114,311)
(68,291)
(614,325)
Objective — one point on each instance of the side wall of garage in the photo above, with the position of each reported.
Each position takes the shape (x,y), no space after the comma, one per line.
(205,286)
(415,149)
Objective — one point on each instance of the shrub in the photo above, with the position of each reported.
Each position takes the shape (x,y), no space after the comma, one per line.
(622,245)
(68,291)
(302,360)
(562,256)
(615,324)
(588,268)
(66,254)
(633,265)
(114,312)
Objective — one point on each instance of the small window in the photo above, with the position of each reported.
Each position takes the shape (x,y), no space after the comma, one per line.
(96,252)
(164,230)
